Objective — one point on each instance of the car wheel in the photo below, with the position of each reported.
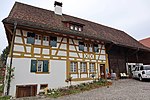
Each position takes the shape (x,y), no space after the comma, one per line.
(140,78)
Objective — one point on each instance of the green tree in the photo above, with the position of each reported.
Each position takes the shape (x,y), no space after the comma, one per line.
(4,55)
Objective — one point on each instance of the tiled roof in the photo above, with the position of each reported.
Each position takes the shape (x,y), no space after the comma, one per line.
(34,17)
(145,42)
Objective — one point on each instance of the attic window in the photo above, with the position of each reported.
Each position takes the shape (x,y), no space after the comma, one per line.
(80,29)
(74,25)
(71,27)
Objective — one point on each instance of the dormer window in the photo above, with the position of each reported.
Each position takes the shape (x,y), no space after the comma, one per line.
(76,28)
(74,25)
(71,27)
(80,29)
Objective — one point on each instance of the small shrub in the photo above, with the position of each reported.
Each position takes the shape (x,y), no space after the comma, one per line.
(5,98)
(72,89)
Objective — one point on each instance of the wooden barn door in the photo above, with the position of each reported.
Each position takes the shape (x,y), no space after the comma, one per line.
(26,91)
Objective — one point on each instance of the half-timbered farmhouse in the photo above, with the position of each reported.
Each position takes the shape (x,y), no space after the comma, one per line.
(48,47)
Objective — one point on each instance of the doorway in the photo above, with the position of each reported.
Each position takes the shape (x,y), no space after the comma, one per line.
(102,70)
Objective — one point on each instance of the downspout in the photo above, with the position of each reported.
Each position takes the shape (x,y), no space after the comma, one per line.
(11,58)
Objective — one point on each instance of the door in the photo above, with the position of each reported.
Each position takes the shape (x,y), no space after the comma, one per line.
(26,91)
(102,70)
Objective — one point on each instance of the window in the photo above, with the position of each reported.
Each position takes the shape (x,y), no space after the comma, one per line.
(141,68)
(38,37)
(85,47)
(45,38)
(91,67)
(71,27)
(96,49)
(81,46)
(90,48)
(80,29)
(73,67)
(43,86)
(83,67)
(39,65)
(76,28)
(30,37)
(53,41)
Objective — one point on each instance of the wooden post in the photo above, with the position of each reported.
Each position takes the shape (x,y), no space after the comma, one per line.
(11,57)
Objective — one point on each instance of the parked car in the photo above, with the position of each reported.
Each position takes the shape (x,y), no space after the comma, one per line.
(142,72)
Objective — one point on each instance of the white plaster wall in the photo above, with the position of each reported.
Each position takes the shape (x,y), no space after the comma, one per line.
(102,57)
(71,47)
(37,50)
(18,40)
(73,54)
(18,32)
(62,53)
(23,76)
(102,51)
(18,48)
(63,46)
(59,39)
(45,51)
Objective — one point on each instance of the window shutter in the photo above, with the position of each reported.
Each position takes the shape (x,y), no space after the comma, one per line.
(30,40)
(33,65)
(96,49)
(45,66)
(53,43)
(81,47)
(30,37)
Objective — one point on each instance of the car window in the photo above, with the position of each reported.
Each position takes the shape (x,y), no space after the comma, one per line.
(141,68)
(146,67)
(137,68)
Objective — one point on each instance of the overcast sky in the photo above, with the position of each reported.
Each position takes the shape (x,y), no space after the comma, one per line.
(131,16)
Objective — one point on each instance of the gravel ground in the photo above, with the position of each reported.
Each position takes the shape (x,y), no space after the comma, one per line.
(124,89)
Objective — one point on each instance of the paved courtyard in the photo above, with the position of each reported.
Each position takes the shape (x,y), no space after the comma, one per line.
(124,89)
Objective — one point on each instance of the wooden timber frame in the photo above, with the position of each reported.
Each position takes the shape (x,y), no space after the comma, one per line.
(67,58)
(120,55)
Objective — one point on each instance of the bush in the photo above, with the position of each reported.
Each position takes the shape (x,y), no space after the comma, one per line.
(72,89)
(5,98)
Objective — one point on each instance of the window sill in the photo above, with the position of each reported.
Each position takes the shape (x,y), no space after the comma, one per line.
(84,73)
(73,73)
(42,72)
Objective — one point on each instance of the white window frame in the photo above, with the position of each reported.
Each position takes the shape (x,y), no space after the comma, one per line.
(79,29)
(73,67)
(38,37)
(85,47)
(39,66)
(76,28)
(90,47)
(83,67)
(91,67)
(72,27)
(45,38)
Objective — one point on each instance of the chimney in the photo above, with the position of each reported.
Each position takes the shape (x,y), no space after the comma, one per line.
(58,8)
